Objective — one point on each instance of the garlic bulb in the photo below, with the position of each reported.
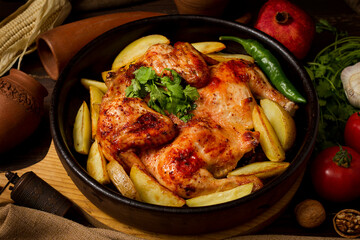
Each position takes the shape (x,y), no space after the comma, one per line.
(350,78)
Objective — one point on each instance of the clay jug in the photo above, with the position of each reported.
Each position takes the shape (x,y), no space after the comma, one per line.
(57,46)
(21,108)
(214,8)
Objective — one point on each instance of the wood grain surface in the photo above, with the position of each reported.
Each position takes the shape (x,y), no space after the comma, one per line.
(51,170)
(30,156)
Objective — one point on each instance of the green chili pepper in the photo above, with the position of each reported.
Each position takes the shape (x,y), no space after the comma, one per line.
(271,67)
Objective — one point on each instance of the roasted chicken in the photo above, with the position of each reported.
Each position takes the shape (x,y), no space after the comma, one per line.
(202,151)
(191,158)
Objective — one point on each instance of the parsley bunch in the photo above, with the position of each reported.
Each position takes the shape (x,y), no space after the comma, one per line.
(166,95)
(325,72)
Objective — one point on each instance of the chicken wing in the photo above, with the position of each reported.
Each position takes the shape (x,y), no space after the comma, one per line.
(127,123)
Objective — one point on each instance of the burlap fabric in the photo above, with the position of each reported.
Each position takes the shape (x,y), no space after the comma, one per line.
(24,223)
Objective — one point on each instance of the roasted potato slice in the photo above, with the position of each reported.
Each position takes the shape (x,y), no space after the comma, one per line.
(208,47)
(281,121)
(262,170)
(89,82)
(136,49)
(151,191)
(96,165)
(95,101)
(108,75)
(221,197)
(82,130)
(121,180)
(104,75)
(223,57)
(268,139)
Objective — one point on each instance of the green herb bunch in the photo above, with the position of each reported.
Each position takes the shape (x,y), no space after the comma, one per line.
(167,95)
(325,72)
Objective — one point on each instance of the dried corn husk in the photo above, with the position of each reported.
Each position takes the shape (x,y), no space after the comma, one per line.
(18,31)
(354,4)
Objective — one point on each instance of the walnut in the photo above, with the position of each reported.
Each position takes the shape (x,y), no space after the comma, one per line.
(347,223)
(310,213)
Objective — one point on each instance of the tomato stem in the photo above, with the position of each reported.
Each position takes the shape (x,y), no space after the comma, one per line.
(342,158)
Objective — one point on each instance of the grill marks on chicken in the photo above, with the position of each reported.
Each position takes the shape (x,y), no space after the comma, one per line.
(190,158)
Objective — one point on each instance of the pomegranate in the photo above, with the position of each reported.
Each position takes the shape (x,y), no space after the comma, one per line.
(288,24)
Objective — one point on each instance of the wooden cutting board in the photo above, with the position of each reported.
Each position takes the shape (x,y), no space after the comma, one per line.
(51,170)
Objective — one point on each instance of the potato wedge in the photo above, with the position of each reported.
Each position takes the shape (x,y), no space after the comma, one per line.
(96,165)
(221,197)
(262,170)
(151,191)
(104,75)
(121,180)
(268,139)
(108,75)
(208,47)
(281,121)
(95,101)
(89,82)
(223,57)
(82,130)
(94,110)
(136,49)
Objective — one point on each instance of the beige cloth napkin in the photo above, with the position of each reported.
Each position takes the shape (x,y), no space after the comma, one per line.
(24,223)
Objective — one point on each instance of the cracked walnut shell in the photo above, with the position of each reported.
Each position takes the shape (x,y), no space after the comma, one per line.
(347,223)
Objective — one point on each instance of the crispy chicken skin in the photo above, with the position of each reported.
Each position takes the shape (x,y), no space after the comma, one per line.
(229,96)
(183,58)
(202,152)
(192,158)
(128,123)
(227,99)
(210,145)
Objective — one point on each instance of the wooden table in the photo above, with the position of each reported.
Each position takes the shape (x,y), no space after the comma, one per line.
(32,151)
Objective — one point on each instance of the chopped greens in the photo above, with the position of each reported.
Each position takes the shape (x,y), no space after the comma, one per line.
(325,72)
(167,95)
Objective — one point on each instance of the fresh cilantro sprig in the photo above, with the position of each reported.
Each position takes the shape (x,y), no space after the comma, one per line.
(166,95)
(325,72)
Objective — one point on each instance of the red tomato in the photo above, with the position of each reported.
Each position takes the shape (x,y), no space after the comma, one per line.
(352,132)
(336,183)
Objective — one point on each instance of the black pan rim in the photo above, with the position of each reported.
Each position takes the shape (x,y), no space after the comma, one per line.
(69,160)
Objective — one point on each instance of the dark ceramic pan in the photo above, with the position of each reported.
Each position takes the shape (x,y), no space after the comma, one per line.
(98,55)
